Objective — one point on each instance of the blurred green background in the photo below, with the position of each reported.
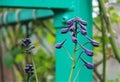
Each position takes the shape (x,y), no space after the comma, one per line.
(42,34)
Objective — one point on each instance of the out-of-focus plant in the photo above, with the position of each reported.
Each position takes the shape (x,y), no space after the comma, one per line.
(43,37)
(106,20)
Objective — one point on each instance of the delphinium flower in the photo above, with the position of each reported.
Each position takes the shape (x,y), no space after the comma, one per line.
(74,27)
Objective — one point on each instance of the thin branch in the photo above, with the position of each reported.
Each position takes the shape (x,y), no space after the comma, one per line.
(48,29)
(98,75)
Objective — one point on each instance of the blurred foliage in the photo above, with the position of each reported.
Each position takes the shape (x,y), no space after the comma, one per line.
(42,34)
(112,7)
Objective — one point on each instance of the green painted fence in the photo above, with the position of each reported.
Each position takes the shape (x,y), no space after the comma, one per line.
(62,10)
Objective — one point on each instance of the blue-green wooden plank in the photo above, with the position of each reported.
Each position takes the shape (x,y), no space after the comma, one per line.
(25,15)
(36,3)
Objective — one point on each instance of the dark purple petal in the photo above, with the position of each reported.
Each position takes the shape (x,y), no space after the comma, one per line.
(64,30)
(94,43)
(73,34)
(88,52)
(83,32)
(89,65)
(26,42)
(23,44)
(74,39)
(59,45)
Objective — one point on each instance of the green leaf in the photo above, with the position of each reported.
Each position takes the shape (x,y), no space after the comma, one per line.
(8,60)
(15,51)
(19,58)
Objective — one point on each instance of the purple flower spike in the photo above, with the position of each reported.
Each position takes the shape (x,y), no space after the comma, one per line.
(64,30)
(83,32)
(88,65)
(94,43)
(88,52)
(74,39)
(59,45)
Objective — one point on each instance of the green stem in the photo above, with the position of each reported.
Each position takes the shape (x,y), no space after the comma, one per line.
(104,55)
(103,49)
(74,58)
(83,45)
(73,64)
(103,45)
(78,72)
(28,78)
(109,28)
(78,57)
(35,70)
(69,55)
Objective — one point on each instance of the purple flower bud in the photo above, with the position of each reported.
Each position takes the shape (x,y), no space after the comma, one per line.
(74,39)
(94,43)
(68,26)
(59,45)
(88,52)
(88,65)
(72,28)
(64,30)
(83,32)
(30,48)
(82,22)
(82,27)
(70,21)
